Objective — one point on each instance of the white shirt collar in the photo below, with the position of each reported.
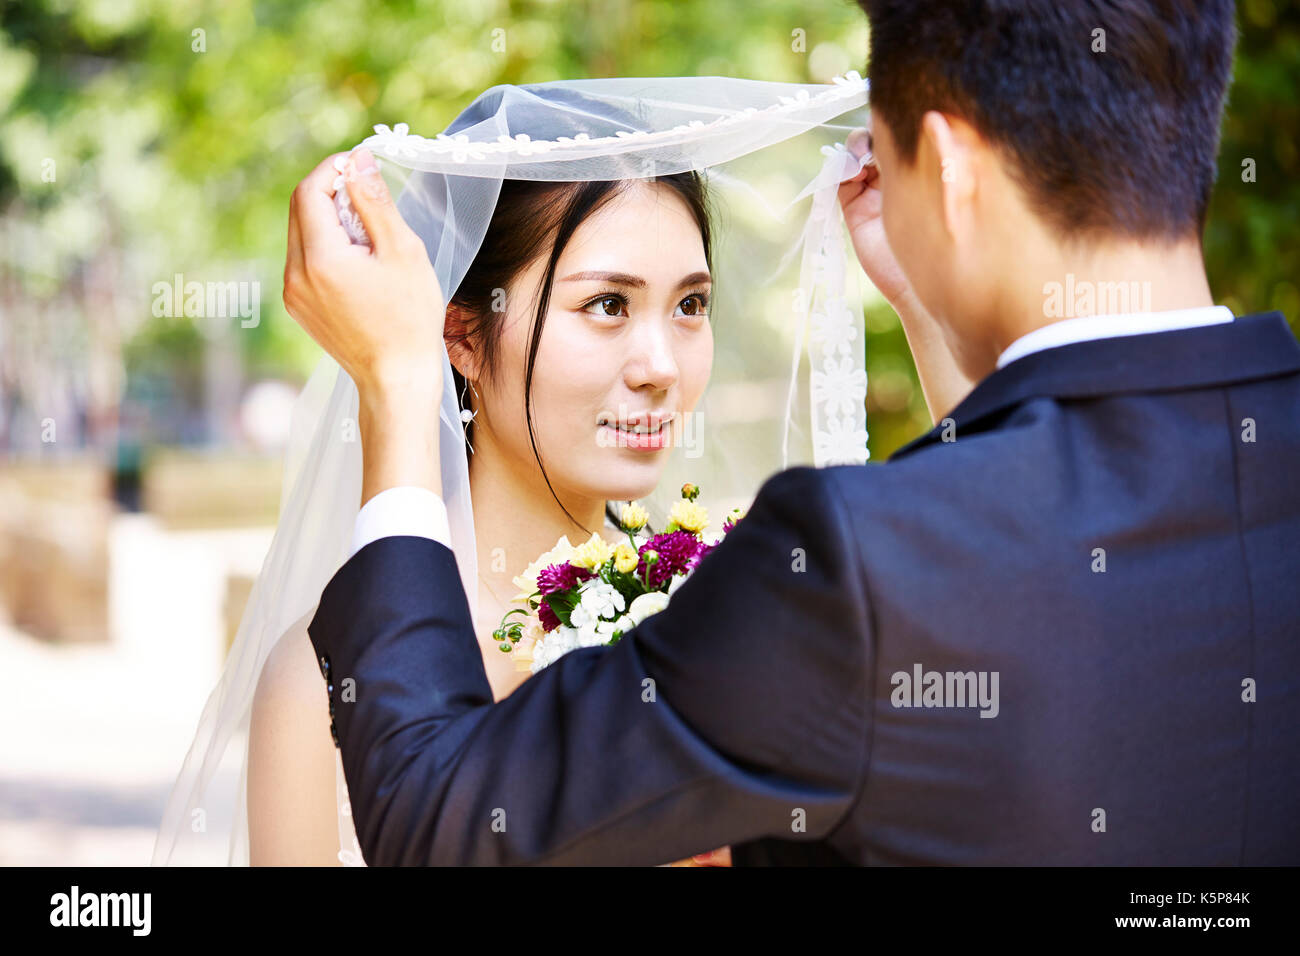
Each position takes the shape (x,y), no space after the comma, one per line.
(1086,328)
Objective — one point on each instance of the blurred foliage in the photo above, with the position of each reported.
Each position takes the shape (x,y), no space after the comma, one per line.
(1251,248)
(178,128)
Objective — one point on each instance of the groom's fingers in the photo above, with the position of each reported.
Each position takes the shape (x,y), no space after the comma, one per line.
(858,143)
(861,192)
(719,857)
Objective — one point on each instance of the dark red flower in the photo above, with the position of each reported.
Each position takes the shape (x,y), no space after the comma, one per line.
(676,550)
(549,621)
(700,553)
(561,577)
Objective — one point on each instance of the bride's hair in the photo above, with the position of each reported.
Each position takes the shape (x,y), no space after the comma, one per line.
(531,215)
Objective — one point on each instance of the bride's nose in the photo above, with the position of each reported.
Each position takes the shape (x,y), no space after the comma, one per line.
(652,362)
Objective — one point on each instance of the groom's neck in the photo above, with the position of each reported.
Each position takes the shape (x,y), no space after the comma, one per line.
(1062,282)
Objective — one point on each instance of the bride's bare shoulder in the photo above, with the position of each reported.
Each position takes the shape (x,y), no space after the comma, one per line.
(289,724)
(292,806)
(290,678)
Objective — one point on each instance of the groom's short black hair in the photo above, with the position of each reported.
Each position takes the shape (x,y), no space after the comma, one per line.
(1116,142)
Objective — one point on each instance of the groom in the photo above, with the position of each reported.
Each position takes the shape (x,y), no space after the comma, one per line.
(1063,627)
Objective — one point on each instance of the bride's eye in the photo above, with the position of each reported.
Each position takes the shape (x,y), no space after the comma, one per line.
(695,304)
(607,304)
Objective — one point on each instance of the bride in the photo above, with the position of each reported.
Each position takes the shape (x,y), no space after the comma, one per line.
(622,338)
(588,278)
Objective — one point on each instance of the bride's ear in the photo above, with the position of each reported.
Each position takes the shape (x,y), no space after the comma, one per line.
(460,350)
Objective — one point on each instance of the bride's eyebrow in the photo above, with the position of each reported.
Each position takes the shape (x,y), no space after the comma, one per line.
(625,278)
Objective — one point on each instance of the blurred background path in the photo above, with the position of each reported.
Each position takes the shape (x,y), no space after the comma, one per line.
(93,734)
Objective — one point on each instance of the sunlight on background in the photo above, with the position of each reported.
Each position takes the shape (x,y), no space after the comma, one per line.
(146,145)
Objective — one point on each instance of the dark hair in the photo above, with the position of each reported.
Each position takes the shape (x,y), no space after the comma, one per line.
(1121,141)
(529,217)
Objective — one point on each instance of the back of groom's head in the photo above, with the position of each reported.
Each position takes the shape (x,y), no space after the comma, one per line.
(1106,113)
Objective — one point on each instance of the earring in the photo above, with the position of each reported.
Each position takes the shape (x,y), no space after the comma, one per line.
(466,416)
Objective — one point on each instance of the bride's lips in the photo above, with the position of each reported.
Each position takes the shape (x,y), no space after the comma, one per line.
(642,432)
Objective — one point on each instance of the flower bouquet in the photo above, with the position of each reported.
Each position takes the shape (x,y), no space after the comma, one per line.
(593,593)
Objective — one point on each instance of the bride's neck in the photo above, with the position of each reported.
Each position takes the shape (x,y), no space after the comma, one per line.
(515,512)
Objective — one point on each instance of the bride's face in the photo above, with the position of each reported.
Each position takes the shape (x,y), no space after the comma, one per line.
(624,355)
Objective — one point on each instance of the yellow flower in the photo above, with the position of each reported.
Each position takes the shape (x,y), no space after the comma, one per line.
(592,553)
(527,582)
(634,517)
(625,559)
(689,516)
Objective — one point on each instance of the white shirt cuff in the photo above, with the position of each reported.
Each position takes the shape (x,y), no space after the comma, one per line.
(405,510)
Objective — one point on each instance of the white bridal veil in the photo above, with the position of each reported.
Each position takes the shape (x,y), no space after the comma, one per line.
(772,159)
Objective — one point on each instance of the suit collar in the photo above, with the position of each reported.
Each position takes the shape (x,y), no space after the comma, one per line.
(1253,346)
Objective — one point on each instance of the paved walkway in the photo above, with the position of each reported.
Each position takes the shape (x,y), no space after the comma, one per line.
(92,736)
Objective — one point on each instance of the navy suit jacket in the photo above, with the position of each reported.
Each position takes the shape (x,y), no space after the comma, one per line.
(1110,527)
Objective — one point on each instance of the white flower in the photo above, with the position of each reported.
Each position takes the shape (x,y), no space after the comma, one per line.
(598,600)
(650,603)
(589,634)
(834,328)
(522,144)
(553,646)
(398,141)
(840,443)
(599,633)
(460,146)
(840,386)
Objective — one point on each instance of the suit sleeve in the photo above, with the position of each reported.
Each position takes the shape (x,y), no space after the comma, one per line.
(739,712)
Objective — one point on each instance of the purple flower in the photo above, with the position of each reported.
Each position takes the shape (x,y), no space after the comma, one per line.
(677,549)
(561,577)
(700,553)
(549,621)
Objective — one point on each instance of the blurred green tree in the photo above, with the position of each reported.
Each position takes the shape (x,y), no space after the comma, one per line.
(140,139)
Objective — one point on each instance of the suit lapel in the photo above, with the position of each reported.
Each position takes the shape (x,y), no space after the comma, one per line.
(1251,347)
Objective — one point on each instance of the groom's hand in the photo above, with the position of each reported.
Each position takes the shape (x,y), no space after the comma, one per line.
(943,383)
(378,311)
(860,198)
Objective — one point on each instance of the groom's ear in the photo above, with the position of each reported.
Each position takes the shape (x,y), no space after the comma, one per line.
(460,347)
(953,151)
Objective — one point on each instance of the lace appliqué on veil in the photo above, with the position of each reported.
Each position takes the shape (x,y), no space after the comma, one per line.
(399,142)
(350,847)
(343,205)
(834,331)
